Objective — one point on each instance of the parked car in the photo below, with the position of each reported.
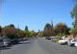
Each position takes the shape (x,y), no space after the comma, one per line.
(63,42)
(48,38)
(7,42)
(76,44)
(1,43)
(72,43)
(25,39)
(14,41)
(53,38)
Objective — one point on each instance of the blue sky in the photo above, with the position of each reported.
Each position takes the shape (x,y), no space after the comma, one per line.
(36,13)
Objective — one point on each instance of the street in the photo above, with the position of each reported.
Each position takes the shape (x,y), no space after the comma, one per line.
(40,46)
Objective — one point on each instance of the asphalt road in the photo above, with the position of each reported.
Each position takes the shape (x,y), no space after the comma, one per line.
(39,46)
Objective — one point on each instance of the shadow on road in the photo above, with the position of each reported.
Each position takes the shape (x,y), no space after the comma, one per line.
(5,48)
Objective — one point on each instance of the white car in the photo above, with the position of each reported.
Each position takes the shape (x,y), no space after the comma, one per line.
(72,43)
(75,44)
(63,42)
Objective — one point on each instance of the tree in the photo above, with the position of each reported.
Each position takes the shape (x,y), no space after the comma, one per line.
(33,33)
(61,29)
(11,25)
(48,30)
(26,28)
(74,16)
(10,31)
(20,33)
(0,31)
(40,34)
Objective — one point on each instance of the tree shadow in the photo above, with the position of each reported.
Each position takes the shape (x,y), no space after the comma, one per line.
(5,48)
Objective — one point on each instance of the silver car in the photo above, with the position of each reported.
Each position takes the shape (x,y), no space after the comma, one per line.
(1,43)
(72,42)
(4,42)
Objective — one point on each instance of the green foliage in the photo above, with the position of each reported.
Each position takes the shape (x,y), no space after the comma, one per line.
(26,28)
(30,34)
(74,12)
(61,34)
(12,36)
(61,29)
(10,31)
(74,30)
(74,15)
(20,33)
(40,34)
(0,29)
(48,30)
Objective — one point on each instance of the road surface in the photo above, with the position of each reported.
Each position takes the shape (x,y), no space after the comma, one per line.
(40,46)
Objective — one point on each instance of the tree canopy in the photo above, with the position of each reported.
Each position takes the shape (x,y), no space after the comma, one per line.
(62,29)
(74,16)
(26,28)
(48,30)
